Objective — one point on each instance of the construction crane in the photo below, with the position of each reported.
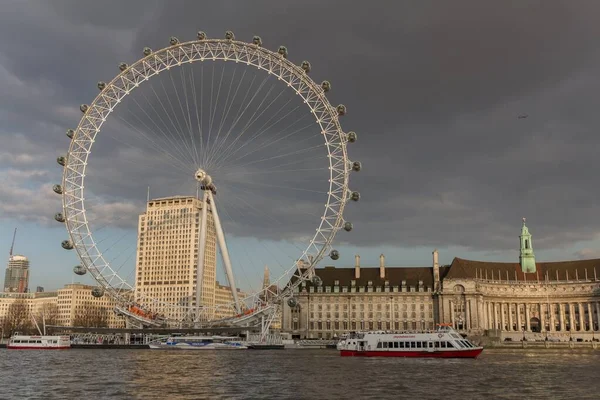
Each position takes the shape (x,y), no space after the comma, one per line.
(13,244)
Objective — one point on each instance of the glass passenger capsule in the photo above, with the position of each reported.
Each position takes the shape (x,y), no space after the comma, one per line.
(79,270)
(67,245)
(351,136)
(283,51)
(334,254)
(292,302)
(57,189)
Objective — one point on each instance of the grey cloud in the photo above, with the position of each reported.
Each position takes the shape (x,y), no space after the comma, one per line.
(433,91)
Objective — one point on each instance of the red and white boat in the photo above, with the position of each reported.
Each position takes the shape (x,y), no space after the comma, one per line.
(25,342)
(445,342)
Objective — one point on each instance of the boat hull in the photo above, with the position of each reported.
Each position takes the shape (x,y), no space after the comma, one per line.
(171,347)
(471,353)
(37,348)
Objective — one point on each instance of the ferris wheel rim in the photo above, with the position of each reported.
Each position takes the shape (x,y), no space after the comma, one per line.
(152,64)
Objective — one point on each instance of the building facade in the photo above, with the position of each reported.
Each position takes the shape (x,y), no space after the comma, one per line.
(16,277)
(167,254)
(224,297)
(64,307)
(509,301)
(76,305)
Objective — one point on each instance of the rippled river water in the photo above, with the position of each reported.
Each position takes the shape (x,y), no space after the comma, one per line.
(294,374)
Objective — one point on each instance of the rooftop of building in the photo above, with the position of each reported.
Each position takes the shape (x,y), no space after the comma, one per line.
(17,257)
(393,276)
(511,271)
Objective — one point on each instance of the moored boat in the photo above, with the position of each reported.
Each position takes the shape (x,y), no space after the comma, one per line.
(444,342)
(198,343)
(25,342)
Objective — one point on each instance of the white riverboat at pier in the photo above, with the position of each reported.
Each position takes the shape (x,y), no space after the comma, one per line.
(198,343)
(445,342)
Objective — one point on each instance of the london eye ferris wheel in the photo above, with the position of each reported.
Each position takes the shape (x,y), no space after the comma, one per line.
(244,133)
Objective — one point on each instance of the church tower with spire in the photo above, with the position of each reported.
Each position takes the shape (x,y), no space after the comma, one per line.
(526,257)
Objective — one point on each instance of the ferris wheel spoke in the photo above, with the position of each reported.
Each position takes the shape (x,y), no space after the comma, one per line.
(308,149)
(172,139)
(173,159)
(241,111)
(186,126)
(177,128)
(227,108)
(166,139)
(189,118)
(267,144)
(254,118)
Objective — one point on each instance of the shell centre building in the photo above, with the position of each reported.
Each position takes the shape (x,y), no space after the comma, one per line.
(558,301)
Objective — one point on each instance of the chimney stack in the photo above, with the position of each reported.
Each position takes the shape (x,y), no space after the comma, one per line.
(382,266)
(357,267)
(436,271)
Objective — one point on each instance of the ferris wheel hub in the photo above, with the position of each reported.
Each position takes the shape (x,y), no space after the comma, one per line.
(202,177)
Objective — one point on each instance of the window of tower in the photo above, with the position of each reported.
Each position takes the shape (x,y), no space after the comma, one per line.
(526,243)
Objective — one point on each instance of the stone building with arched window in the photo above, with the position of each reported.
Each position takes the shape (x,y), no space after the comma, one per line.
(535,300)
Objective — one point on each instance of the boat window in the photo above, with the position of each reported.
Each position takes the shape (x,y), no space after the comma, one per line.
(379,345)
(467,343)
(385,345)
(418,345)
(424,344)
(401,345)
(16,341)
(395,345)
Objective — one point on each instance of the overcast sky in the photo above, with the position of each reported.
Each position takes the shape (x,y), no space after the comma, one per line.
(433,89)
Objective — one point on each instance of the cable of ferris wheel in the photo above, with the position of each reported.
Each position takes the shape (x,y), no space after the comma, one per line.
(240,113)
(180,129)
(189,120)
(236,121)
(171,138)
(274,140)
(173,160)
(254,118)
(179,137)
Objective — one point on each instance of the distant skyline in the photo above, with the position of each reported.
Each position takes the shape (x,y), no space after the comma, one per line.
(436,92)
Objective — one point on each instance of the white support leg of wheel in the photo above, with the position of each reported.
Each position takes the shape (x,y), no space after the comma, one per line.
(201,251)
(224,252)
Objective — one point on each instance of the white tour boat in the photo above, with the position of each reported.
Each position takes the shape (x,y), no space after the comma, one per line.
(198,343)
(42,342)
(445,342)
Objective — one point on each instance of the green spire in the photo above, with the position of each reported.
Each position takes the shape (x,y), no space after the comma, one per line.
(526,258)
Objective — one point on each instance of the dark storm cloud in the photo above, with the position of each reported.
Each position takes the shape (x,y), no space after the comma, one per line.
(433,89)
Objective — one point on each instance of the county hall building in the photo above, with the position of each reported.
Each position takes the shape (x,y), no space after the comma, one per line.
(505,300)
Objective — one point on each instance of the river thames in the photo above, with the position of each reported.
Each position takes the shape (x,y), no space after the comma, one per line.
(294,374)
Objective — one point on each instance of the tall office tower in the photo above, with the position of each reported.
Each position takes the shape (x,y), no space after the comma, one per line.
(16,278)
(167,254)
